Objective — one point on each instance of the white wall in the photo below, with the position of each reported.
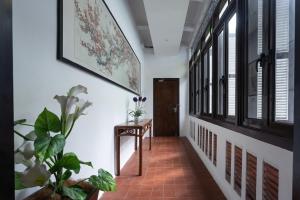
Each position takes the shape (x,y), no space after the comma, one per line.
(38,76)
(279,158)
(167,67)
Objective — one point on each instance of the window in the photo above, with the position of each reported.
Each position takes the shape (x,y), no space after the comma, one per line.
(226,66)
(195,84)
(252,87)
(207,81)
(270,70)
(284,65)
(254,91)
(198,86)
(210,71)
(223,8)
(221,73)
(231,77)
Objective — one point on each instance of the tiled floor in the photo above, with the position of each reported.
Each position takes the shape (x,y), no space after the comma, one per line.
(171,171)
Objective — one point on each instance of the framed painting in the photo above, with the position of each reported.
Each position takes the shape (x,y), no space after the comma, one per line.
(91,39)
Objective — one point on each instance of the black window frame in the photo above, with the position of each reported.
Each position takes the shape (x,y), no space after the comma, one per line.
(279,134)
(267,123)
(206,45)
(222,25)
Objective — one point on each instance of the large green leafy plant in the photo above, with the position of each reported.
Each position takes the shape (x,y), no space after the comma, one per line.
(42,151)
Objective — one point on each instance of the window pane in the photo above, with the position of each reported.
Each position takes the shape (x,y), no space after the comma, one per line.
(205,86)
(255,21)
(284,67)
(197,88)
(221,72)
(210,80)
(231,65)
(223,9)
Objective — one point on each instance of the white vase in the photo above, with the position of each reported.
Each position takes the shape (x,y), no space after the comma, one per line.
(136,120)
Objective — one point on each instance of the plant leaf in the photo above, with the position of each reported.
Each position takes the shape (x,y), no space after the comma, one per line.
(20,121)
(47,121)
(74,193)
(86,163)
(18,182)
(47,146)
(31,136)
(67,174)
(104,181)
(68,161)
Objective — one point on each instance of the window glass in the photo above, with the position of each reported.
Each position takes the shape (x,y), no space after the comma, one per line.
(223,9)
(255,20)
(231,65)
(197,88)
(221,72)
(205,85)
(284,56)
(210,80)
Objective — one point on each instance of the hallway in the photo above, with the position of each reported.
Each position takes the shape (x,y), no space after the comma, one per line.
(171,170)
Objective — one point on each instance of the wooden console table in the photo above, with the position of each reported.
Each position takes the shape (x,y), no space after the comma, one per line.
(131,129)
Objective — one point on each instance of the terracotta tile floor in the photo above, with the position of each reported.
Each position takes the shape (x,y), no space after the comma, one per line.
(171,171)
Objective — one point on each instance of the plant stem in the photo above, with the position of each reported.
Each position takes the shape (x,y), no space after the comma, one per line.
(70,128)
(52,160)
(28,125)
(22,136)
(59,179)
(80,181)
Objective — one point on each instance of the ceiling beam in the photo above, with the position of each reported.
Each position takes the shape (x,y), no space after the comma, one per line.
(188,29)
(146,28)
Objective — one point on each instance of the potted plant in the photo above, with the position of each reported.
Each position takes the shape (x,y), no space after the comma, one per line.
(138,111)
(47,164)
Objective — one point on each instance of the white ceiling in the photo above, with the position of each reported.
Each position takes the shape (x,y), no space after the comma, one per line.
(166,22)
(166,25)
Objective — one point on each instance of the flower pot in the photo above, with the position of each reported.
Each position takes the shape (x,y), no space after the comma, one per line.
(46,193)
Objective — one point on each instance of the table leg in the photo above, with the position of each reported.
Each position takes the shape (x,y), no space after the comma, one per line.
(118,152)
(135,139)
(150,135)
(141,151)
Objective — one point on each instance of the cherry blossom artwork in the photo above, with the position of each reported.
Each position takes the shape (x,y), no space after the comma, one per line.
(91,38)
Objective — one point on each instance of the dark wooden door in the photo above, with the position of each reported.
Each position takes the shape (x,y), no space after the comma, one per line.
(166,107)
(6,103)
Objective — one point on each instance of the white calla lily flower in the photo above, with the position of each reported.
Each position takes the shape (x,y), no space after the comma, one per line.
(81,106)
(38,175)
(66,103)
(31,136)
(20,159)
(27,149)
(74,91)
(70,120)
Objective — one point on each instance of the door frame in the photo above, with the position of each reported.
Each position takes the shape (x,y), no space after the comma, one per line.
(296,147)
(7,180)
(178,99)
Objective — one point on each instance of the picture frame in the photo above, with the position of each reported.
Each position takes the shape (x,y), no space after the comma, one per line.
(90,39)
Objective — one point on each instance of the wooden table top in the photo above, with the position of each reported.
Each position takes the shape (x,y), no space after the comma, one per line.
(131,124)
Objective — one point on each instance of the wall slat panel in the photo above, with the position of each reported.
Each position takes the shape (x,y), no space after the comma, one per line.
(270,182)
(228,162)
(238,154)
(210,146)
(251,177)
(215,150)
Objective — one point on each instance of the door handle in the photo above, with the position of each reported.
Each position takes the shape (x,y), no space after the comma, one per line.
(262,59)
(175,109)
